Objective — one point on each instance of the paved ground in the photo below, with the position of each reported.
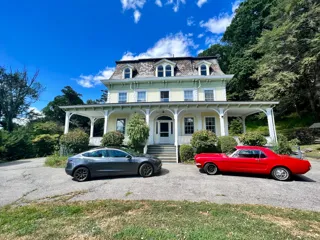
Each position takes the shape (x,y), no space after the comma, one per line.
(30,180)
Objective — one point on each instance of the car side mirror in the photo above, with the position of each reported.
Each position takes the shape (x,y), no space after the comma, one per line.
(129,157)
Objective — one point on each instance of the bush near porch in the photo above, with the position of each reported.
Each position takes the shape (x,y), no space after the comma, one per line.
(226,144)
(204,141)
(112,139)
(253,139)
(138,132)
(186,153)
(74,142)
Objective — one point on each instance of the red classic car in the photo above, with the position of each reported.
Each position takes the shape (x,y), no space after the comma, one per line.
(252,159)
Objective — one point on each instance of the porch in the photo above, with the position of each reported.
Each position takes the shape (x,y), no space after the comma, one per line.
(172,122)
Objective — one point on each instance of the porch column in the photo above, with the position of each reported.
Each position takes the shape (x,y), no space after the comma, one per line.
(271,125)
(91,126)
(66,125)
(147,122)
(176,137)
(243,124)
(222,128)
(105,126)
(226,124)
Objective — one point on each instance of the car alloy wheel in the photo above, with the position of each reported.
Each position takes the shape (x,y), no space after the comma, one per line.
(146,170)
(281,173)
(210,169)
(81,174)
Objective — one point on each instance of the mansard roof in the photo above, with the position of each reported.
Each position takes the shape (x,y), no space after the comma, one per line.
(185,66)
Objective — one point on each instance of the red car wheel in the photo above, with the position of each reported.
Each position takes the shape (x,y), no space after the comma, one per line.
(211,169)
(281,173)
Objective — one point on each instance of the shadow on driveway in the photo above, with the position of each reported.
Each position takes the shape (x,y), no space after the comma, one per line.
(163,172)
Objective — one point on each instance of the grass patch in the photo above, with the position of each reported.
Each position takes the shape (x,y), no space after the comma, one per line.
(117,219)
(315,151)
(56,161)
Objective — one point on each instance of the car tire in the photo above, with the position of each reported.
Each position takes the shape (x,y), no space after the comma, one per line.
(281,173)
(210,169)
(146,170)
(81,174)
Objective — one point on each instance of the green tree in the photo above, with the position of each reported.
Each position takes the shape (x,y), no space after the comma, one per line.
(138,132)
(289,68)
(17,93)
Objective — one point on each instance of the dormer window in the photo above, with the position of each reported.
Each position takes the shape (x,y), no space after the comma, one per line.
(165,68)
(127,73)
(168,71)
(160,71)
(203,70)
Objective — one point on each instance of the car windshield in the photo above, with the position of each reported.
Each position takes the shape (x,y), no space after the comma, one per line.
(233,154)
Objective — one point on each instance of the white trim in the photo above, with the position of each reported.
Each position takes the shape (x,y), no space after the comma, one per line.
(207,64)
(189,89)
(123,71)
(164,70)
(164,90)
(215,123)
(204,94)
(184,126)
(141,90)
(119,96)
(165,61)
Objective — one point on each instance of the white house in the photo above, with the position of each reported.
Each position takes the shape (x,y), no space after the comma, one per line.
(176,96)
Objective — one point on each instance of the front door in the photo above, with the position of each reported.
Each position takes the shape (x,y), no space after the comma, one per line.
(164,132)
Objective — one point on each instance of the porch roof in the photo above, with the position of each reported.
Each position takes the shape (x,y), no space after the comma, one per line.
(233,108)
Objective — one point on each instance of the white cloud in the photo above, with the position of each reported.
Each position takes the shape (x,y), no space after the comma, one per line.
(33,113)
(135,5)
(176,4)
(178,45)
(220,23)
(201,2)
(90,81)
(200,51)
(159,3)
(201,35)
(137,16)
(190,34)
(213,40)
(190,21)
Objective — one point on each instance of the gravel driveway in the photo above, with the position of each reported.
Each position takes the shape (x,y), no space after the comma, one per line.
(26,180)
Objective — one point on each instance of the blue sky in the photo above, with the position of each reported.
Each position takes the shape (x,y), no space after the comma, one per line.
(76,43)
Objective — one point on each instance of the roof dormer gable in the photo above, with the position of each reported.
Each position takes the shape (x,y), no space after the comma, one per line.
(203,68)
(203,62)
(165,62)
(127,71)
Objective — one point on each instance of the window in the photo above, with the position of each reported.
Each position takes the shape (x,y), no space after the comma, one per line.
(127,73)
(142,96)
(188,95)
(122,97)
(250,154)
(117,154)
(164,96)
(188,125)
(203,70)
(168,71)
(160,71)
(97,154)
(211,124)
(121,125)
(208,95)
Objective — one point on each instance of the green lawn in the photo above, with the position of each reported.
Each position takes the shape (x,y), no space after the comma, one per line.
(315,151)
(56,161)
(115,219)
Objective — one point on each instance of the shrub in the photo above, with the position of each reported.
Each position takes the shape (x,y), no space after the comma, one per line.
(186,153)
(284,146)
(112,139)
(56,161)
(304,135)
(204,141)
(235,127)
(227,144)
(44,144)
(75,141)
(138,132)
(49,127)
(253,139)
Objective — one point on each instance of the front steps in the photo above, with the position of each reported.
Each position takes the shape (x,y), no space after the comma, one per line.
(166,153)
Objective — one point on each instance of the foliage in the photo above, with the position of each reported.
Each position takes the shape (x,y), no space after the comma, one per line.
(18,91)
(284,146)
(112,139)
(15,145)
(253,139)
(227,144)
(204,141)
(235,127)
(56,161)
(186,153)
(75,141)
(222,53)
(44,144)
(138,131)
(48,127)
(304,135)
